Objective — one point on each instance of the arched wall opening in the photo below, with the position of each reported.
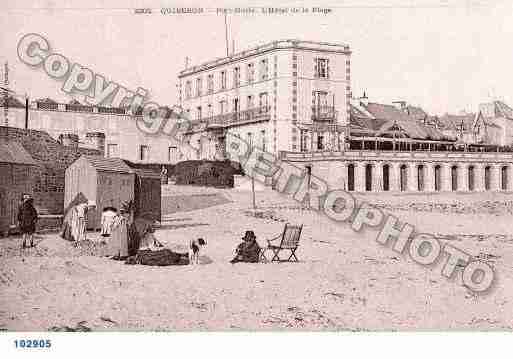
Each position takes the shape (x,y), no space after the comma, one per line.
(454,178)
(368,177)
(438,178)
(350,177)
(386,177)
(403,177)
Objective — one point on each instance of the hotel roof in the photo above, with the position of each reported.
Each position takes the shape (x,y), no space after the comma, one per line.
(275,45)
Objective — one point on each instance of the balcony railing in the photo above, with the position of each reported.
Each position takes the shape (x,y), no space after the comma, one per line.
(324,113)
(234,118)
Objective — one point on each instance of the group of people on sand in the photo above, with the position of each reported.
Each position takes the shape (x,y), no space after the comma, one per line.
(122,234)
(126,235)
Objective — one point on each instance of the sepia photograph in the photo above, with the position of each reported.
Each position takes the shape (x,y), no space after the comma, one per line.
(255,167)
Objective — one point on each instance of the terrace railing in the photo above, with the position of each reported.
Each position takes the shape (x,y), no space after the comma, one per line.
(114,110)
(234,118)
(79,108)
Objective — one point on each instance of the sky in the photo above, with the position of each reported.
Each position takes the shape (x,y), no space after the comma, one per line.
(445,55)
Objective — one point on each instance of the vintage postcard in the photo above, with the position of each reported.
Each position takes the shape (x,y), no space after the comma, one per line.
(333,166)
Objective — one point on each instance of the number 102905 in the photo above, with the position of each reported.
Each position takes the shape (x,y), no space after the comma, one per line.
(32,343)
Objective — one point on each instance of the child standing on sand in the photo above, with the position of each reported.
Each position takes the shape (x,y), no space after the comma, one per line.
(27,218)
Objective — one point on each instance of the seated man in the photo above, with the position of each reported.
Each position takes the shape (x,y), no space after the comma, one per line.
(248,250)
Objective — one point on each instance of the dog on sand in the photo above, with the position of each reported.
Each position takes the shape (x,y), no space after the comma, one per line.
(194,250)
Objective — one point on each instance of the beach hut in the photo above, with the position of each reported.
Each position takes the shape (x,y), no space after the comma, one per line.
(147,194)
(17,176)
(107,181)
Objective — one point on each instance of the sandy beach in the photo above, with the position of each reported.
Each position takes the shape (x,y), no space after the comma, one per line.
(344,280)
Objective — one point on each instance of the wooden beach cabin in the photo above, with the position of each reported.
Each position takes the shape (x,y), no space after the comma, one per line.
(107,181)
(147,194)
(17,176)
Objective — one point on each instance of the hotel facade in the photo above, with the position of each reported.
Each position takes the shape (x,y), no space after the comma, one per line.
(287,95)
(293,98)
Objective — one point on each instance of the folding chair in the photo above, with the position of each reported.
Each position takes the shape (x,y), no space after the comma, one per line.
(289,240)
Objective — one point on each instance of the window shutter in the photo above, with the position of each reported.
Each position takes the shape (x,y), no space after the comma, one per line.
(316,74)
(327,68)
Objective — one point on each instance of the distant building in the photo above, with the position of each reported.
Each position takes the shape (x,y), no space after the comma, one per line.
(393,126)
(113,131)
(287,95)
(494,124)
(459,126)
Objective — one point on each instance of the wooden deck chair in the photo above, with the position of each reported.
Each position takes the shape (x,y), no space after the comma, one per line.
(289,240)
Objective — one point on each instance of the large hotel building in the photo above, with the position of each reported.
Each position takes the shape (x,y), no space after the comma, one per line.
(293,99)
(274,96)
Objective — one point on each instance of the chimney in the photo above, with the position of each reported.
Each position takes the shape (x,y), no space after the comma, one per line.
(96,140)
(364,100)
(68,139)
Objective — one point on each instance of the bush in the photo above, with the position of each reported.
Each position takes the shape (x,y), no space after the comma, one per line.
(206,173)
